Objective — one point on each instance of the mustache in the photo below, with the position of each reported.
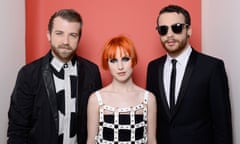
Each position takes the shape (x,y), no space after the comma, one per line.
(66,46)
(171,40)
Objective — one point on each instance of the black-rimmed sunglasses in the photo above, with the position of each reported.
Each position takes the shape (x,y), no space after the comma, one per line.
(176,28)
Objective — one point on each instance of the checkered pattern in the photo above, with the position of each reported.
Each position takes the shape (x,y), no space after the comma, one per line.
(117,126)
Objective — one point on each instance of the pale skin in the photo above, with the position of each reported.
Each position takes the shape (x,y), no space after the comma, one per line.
(64,38)
(173,43)
(121,92)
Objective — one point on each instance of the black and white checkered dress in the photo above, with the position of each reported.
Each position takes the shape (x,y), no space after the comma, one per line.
(124,125)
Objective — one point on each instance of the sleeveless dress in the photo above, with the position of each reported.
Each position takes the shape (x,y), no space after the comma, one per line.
(123,125)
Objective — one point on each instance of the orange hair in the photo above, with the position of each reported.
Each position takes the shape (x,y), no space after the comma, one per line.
(127,49)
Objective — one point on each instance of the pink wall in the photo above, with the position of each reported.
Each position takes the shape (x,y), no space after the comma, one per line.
(104,19)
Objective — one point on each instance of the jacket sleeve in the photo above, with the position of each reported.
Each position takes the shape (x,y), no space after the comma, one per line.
(92,83)
(149,79)
(20,110)
(220,105)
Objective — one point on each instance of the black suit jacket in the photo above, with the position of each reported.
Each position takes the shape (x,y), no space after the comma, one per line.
(33,115)
(202,113)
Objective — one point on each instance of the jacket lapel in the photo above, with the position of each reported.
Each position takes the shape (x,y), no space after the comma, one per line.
(80,78)
(162,89)
(50,88)
(186,80)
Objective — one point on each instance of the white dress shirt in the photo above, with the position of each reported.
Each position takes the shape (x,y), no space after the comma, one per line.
(70,103)
(182,60)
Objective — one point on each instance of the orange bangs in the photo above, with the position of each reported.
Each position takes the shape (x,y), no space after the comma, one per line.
(126,46)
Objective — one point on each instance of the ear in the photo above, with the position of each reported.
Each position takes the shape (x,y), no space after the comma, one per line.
(189,31)
(48,36)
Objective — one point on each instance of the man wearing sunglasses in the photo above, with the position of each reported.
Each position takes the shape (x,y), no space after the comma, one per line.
(191,88)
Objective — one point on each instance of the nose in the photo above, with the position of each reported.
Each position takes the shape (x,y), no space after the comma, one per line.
(65,39)
(170,32)
(120,65)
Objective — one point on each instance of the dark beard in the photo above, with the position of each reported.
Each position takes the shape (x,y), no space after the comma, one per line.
(66,58)
(180,48)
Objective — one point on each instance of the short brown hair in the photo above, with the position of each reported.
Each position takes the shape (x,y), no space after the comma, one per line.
(68,14)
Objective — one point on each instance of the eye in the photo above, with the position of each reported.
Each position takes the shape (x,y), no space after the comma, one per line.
(75,35)
(58,33)
(125,59)
(113,60)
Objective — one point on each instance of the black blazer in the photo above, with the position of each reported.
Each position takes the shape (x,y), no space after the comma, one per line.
(33,115)
(202,113)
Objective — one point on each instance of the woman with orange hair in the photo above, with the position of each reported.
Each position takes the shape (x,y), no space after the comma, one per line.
(121,112)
